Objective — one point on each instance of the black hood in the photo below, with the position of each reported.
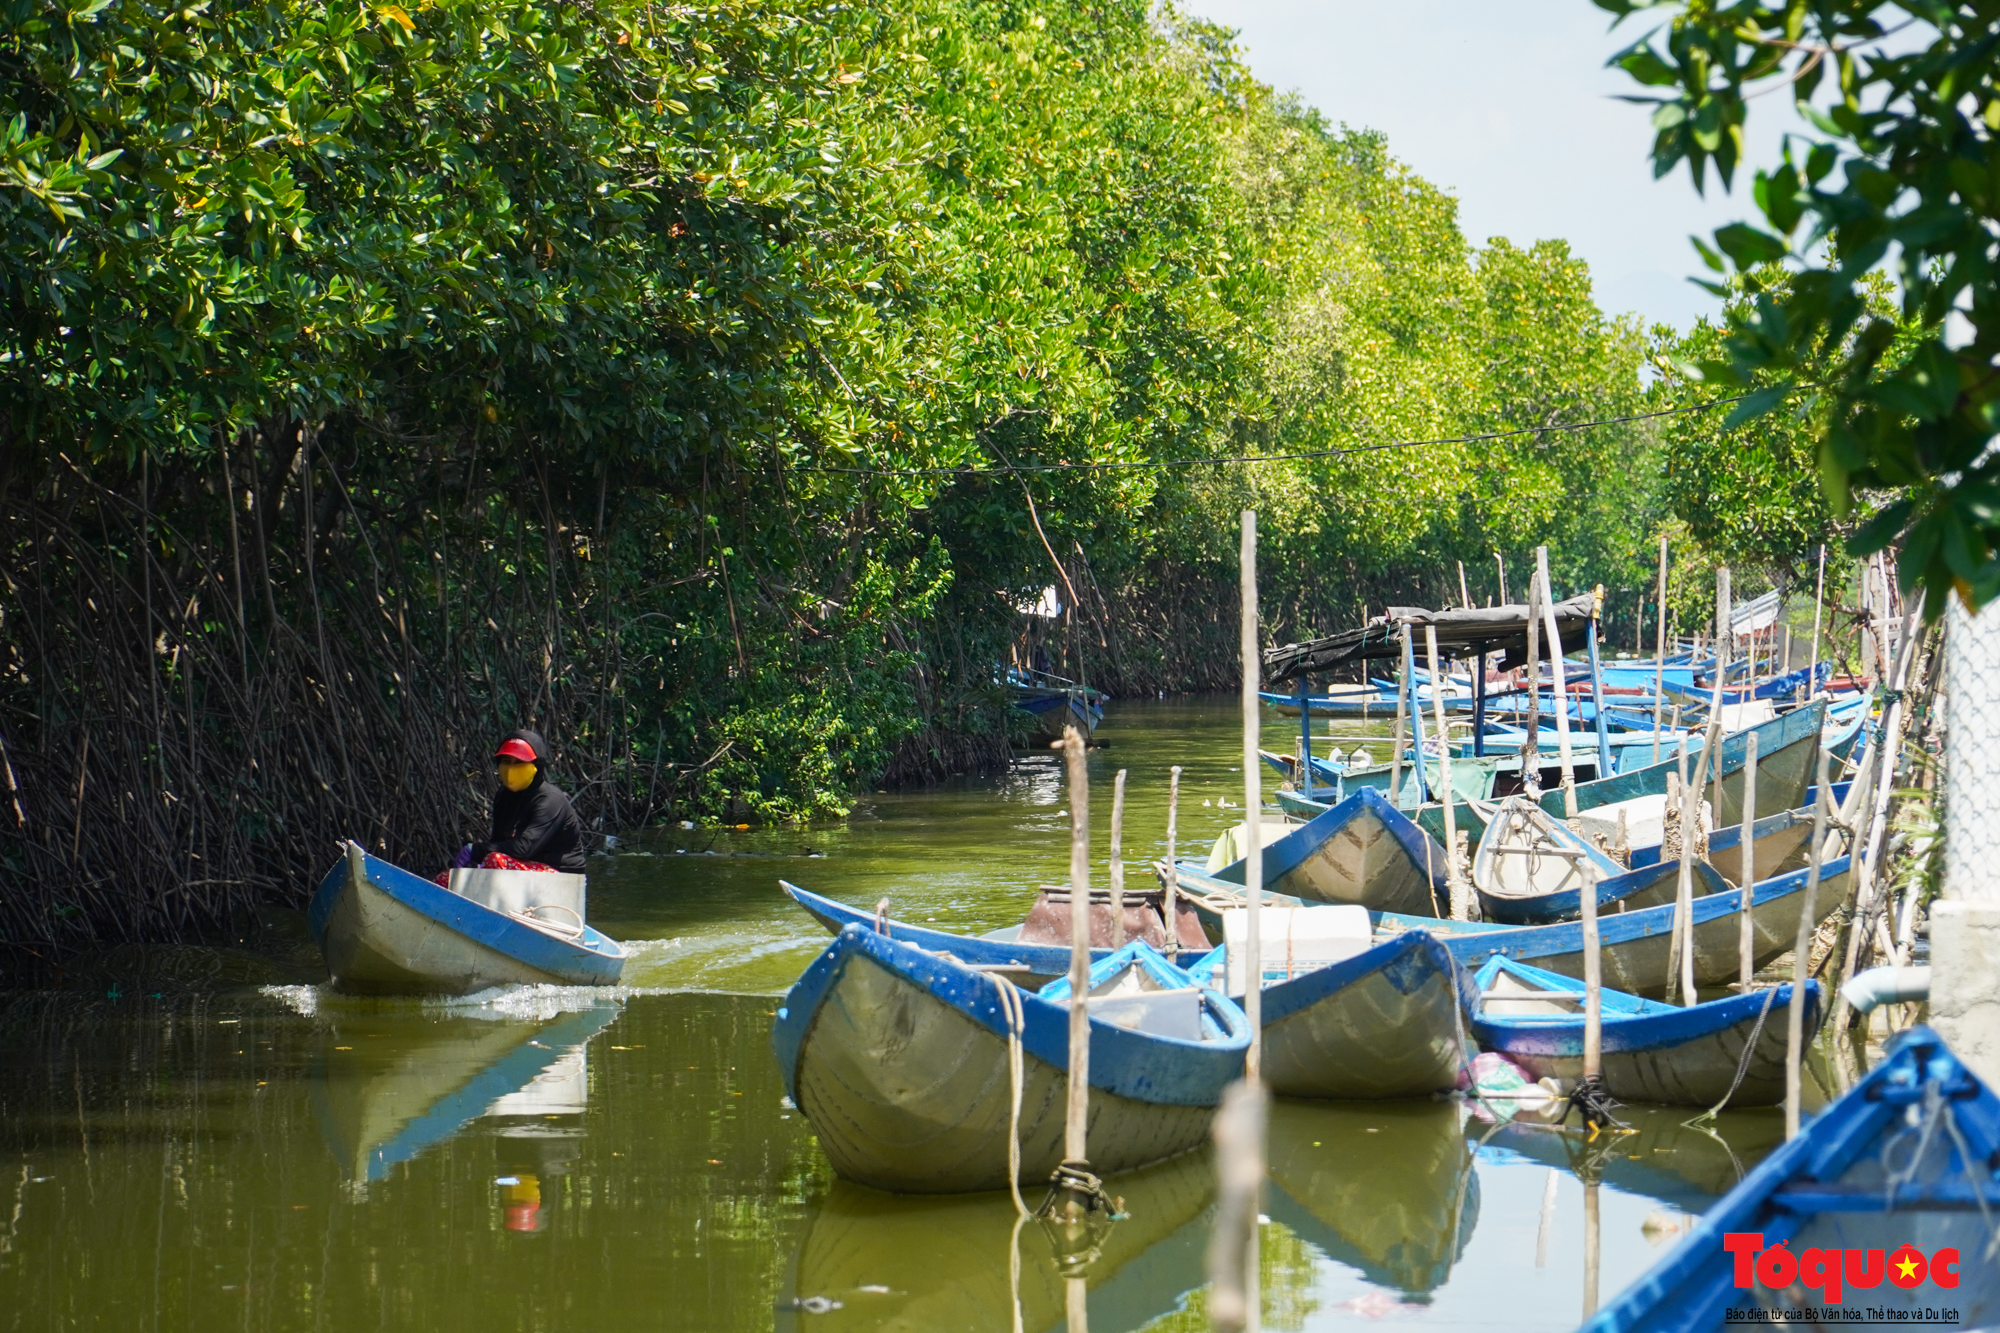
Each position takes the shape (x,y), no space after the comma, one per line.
(534,741)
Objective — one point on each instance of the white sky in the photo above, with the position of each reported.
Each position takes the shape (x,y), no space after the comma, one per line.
(1510,107)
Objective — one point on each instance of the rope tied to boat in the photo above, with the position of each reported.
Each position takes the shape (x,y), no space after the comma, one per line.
(1075,1179)
(1595,1104)
(1742,1062)
(1010,1006)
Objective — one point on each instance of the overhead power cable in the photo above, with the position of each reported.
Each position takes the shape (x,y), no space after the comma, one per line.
(1010,469)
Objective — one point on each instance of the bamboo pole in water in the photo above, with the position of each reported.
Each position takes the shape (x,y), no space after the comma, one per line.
(1460,906)
(1684,914)
(1117,866)
(1075,1126)
(1171,904)
(1795,1023)
(1724,641)
(1531,744)
(1660,657)
(1548,597)
(1677,806)
(1819,601)
(1253,800)
(1746,939)
(1593,985)
(1232,1244)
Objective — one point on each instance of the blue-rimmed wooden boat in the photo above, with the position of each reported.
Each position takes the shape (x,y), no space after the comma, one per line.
(1635,943)
(1363,851)
(385,931)
(899,1059)
(1053,703)
(420,1079)
(1384,1023)
(1028,965)
(1653,1052)
(1910,1156)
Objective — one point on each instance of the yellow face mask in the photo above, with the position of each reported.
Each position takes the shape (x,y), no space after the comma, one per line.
(515,775)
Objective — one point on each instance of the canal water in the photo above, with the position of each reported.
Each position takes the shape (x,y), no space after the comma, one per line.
(202,1138)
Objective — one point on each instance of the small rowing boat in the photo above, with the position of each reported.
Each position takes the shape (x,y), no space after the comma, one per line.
(1899,1179)
(1362,851)
(1728,1049)
(899,1058)
(385,931)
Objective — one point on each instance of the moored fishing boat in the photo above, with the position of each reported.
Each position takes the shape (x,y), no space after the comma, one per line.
(1381,1022)
(1362,851)
(1653,1052)
(1903,1170)
(899,1058)
(385,931)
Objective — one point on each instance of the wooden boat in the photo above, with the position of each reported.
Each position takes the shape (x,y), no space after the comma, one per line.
(1386,1188)
(385,931)
(1530,868)
(1635,943)
(1653,1052)
(1363,851)
(1384,1023)
(1000,951)
(1052,703)
(419,1079)
(899,1058)
(916,1264)
(1910,1156)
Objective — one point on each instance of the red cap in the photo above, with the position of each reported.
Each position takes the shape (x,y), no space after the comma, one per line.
(516,749)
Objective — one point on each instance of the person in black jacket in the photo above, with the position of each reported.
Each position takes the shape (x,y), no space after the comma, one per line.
(532,817)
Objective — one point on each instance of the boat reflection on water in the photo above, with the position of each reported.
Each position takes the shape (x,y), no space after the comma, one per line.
(1384,1187)
(392,1083)
(1667,1159)
(911,1264)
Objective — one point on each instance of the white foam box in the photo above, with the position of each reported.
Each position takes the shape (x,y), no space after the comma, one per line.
(1163,1013)
(1307,937)
(518,890)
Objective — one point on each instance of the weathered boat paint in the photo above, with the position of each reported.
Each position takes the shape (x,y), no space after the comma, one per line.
(1830,1189)
(1652,1052)
(385,931)
(898,1057)
(1362,851)
(1385,1023)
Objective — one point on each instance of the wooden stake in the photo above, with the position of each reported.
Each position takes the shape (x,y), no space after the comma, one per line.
(1461,909)
(1503,576)
(1117,861)
(1746,939)
(1819,600)
(1593,979)
(1724,640)
(1677,789)
(1464,597)
(1591,1246)
(1531,746)
(1074,1127)
(1253,800)
(1660,656)
(1795,1025)
(1396,751)
(1173,858)
(1562,690)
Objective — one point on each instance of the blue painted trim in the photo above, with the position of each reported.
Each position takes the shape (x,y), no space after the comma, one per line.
(1567,904)
(595,960)
(1772,737)
(1472,943)
(1411,958)
(1690,1286)
(1631,1024)
(1293,850)
(1045,959)
(1141,1066)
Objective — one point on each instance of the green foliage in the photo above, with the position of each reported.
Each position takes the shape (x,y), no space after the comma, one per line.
(1906,173)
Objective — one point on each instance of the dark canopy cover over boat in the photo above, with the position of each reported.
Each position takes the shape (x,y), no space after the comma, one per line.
(1460,633)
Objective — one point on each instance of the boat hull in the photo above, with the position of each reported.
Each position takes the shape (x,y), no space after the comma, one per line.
(1362,851)
(385,931)
(1688,1057)
(1635,944)
(1387,1023)
(899,1059)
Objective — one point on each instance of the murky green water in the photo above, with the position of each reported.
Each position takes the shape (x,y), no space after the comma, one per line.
(182,1149)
